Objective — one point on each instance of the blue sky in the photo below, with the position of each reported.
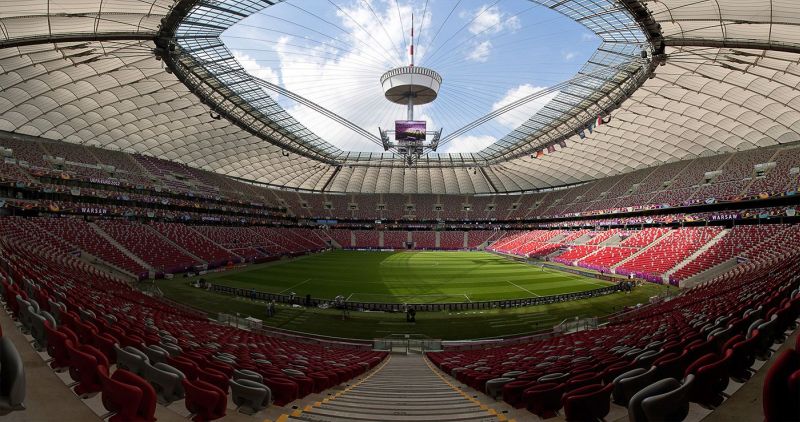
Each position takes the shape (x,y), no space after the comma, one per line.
(334,52)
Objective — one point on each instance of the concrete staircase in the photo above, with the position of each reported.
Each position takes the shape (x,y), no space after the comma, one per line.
(614,240)
(583,239)
(696,253)
(106,267)
(404,389)
(641,251)
(122,249)
(708,274)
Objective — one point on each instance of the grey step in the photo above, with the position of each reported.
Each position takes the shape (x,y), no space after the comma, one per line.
(388,410)
(405,389)
(397,399)
(353,416)
(410,407)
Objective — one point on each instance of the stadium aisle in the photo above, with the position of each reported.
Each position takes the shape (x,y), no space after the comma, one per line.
(43,386)
(404,388)
(746,404)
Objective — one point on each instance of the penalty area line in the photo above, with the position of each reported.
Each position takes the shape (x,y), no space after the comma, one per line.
(522,288)
(296,285)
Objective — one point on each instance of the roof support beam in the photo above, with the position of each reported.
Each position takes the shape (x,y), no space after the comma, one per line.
(740,44)
(62,38)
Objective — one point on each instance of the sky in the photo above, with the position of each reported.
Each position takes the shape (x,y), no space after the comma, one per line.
(333,53)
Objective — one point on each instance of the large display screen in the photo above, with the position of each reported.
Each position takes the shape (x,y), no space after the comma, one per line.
(409,130)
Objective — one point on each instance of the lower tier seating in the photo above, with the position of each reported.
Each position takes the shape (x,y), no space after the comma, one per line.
(88,321)
(656,359)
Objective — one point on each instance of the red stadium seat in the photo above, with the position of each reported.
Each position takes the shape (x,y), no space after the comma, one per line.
(215,378)
(57,347)
(588,403)
(544,400)
(84,363)
(129,396)
(205,401)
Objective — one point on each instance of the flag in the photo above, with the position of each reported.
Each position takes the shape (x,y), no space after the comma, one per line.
(562,144)
(599,120)
(582,135)
(539,154)
(551,149)
(590,126)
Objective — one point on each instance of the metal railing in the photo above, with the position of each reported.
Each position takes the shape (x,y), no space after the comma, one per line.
(407,344)
(419,307)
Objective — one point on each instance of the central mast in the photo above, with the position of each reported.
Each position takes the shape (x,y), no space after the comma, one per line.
(410,86)
(410,113)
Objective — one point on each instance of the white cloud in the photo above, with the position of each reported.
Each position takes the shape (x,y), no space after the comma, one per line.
(252,67)
(486,20)
(343,75)
(490,20)
(468,143)
(519,115)
(509,120)
(480,52)
(568,55)
(588,36)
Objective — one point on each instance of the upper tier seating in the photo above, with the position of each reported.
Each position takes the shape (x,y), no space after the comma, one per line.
(778,179)
(674,184)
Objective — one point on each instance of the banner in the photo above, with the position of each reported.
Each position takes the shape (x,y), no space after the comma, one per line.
(103,181)
(93,210)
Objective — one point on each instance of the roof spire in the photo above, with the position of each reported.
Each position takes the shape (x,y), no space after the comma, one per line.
(412,40)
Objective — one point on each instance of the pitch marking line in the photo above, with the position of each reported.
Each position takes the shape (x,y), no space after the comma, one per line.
(579,278)
(296,285)
(522,288)
(468,299)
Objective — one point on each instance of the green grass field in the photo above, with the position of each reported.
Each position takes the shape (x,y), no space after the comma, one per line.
(412,277)
(407,277)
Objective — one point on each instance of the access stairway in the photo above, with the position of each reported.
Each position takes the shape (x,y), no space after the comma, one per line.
(406,388)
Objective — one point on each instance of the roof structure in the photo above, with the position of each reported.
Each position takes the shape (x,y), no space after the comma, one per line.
(152,77)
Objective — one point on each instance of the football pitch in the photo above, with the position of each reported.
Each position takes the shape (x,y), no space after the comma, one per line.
(406,277)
